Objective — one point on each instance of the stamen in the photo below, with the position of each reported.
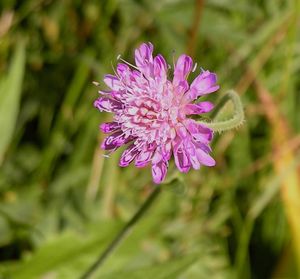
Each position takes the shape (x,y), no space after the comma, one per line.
(96,83)
(114,70)
(173,57)
(117,75)
(195,67)
(107,155)
(129,64)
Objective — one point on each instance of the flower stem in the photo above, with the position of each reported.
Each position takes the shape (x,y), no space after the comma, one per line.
(122,234)
(237,118)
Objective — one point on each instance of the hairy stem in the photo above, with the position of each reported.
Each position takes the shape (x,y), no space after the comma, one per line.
(122,234)
(237,118)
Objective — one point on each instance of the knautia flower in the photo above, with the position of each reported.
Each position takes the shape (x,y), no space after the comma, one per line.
(151,113)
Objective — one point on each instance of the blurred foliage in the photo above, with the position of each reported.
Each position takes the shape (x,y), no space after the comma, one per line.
(62,201)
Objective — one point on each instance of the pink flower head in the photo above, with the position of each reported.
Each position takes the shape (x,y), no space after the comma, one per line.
(151,113)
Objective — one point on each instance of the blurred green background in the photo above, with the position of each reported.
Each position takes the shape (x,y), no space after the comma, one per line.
(61,201)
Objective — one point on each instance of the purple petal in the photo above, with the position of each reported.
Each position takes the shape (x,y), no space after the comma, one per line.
(107,104)
(182,132)
(110,142)
(113,82)
(181,159)
(160,68)
(118,95)
(122,69)
(195,162)
(124,73)
(159,171)
(182,86)
(143,158)
(110,127)
(166,151)
(144,52)
(115,140)
(202,107)
(191,151)
(128,155)
(157,157)
(144,59)
(182,69)
(204,84)
(199,132)
(204,158)
(203,146)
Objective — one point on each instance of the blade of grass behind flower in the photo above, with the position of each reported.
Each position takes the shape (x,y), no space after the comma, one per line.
(10,90)
(56,143)
(290,192)
(270,191)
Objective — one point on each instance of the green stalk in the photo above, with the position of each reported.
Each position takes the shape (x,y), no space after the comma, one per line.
(122,234)
(237,118)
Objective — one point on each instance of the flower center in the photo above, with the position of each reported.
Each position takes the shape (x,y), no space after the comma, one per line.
(150,119)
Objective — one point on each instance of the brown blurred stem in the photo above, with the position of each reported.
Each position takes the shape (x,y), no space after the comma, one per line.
(193,32)
(122,234)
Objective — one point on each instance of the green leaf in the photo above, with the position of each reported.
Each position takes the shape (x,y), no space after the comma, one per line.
(168,270)
(10,92)
(69,252)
